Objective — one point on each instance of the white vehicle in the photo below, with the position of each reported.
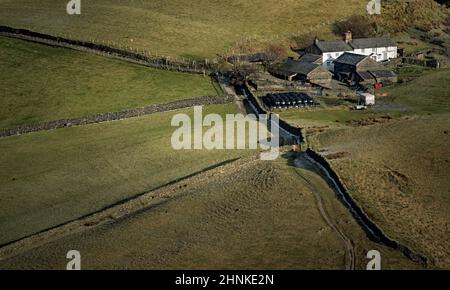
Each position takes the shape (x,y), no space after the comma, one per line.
(359,107)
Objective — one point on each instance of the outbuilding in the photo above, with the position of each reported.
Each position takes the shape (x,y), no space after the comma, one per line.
(366,98)
(292,70)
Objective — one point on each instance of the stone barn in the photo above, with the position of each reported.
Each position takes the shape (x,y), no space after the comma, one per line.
(361,69)
(293,70)
(311,58)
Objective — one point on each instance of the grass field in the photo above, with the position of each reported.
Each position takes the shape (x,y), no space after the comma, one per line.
(399,173)
(50,177)
(265,219)
(42,83)
(329,118)
(201,29)
(264,215)
(429,93)
(398,168)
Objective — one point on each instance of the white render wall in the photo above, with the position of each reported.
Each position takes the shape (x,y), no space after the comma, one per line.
(380,53)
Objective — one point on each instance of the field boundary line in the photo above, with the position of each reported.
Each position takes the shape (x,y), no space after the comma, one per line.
(372,230)
(141,58)
(119,115)
(349,246)
(126,207)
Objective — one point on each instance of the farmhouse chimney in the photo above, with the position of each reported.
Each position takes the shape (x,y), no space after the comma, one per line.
(348,36)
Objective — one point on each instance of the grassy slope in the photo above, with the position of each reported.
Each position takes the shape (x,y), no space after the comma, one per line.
(327,117)
(266,219)
(41,83)
(170,27)
(399,171)
(51,177)
(429,93)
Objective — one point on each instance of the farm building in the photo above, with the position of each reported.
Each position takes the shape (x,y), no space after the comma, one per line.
(378,48)
(311,58)
(384,76)
(366,99)
(292,70)
(356,68)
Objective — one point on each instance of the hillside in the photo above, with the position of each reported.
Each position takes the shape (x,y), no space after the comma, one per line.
(42,83)
(201,29)
(398,172)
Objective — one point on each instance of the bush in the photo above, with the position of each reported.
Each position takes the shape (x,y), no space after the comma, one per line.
(302,41)
(360,26)
(276,51)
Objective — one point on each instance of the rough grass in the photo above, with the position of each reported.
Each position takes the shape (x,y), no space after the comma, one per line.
(202,28)
(262,216)
(331,118)
(42,83)
(429,93)
(399,173)
(399,170)
(54,176)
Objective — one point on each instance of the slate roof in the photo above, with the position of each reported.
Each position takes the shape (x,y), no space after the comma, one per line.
(309,57)
(383,74)
(291,67)
(333,46)
(350,58)
(359,43)
(365,75)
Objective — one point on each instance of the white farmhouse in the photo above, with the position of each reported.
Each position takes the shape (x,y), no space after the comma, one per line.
(379,48)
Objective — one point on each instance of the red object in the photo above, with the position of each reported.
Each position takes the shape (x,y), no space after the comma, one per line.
(377,86)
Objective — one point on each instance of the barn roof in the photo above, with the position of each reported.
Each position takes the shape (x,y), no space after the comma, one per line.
(373,42)
(309,57)
(350,58)
(383,74)
(365,75)
(291,67)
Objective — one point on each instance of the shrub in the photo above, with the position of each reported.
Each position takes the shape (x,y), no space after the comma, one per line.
(360,26)
(303,40)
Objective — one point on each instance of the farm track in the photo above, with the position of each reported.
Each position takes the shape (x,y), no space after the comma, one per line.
(350,263)
(125,208)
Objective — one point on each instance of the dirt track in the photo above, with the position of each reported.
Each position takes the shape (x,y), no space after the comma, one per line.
(303,163)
